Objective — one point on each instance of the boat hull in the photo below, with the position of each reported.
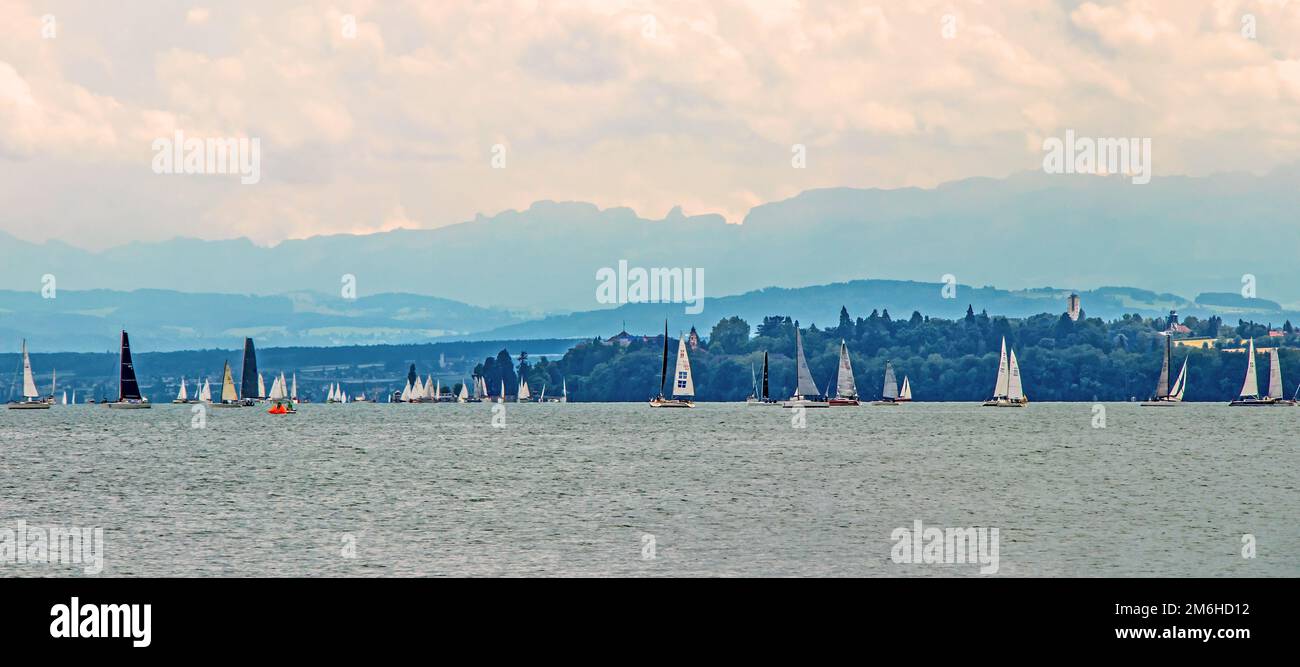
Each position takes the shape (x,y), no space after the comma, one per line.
(1159,402)
(129,406)
(885,403)
(760,402)
(41,405)
(844,402)
(227,405)
(1003,403)
(805,404)
(670,403)
(1259,403)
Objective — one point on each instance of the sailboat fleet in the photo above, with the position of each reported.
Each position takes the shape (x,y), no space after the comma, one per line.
(1008,390)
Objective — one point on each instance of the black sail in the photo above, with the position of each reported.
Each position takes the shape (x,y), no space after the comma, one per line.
(764,396)
(663,374)
(248,381)
(128,387)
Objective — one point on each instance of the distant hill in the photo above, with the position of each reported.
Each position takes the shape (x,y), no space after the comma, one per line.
(821,304)
(1179,235)
(164,320)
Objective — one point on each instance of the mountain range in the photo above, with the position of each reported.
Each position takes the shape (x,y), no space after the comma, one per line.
(163,320)
(1177,235)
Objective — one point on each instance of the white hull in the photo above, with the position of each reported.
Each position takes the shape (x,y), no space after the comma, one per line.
(29,406)
(670,403)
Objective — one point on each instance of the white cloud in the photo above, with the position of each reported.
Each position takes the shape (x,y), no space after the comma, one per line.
(394,124)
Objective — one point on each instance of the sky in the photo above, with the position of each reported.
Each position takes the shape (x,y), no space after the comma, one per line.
(378,115)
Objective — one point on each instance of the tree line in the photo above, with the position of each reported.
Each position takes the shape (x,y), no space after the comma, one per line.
(1061,359)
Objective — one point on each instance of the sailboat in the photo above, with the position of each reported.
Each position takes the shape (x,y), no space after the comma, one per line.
(1007,390)
(761,395)
(250,381)
(1250,388)
(683,384)
(74,397)
(183,395)
(905,394)
(54,387)
(564,390)
(846,389)
(261,387)
(542,397)
(128,388)
(281,404)
(293,391)
(524,395)
(502,397)
(205,394)
(229,397)
(1165,394)
(889,392)
(31,397)
(806,393)
(463,396)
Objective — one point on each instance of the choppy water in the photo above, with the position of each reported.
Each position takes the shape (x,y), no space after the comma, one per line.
(724,489)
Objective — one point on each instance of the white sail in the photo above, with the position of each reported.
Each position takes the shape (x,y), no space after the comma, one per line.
(278,390)
(806,386)
(464,392)
(1000,385)
(501,398)
(261,387)
(293,393)
(437,391)
(54,383)
(1274,375)
(683,383)
(906,393)
(845,387)
(890,388)
(65,397)
(524,394)
(205,394)
(1250,388)
(1015,391)
(1180,384)
(29,382)
(406,392)
(183,395)
(228,393)
(74,397)
(564,387)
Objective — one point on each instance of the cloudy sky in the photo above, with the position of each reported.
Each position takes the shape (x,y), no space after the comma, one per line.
(377,115)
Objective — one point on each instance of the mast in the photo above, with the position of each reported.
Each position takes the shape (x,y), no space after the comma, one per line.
(764,374)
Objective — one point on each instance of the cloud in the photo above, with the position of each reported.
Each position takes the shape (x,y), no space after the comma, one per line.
(388,111)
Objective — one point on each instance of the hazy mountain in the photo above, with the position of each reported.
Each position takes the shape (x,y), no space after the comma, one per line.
(1177,234)
(164,320)
(821,304)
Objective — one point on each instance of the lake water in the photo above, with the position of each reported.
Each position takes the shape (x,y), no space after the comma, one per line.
(402,490)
